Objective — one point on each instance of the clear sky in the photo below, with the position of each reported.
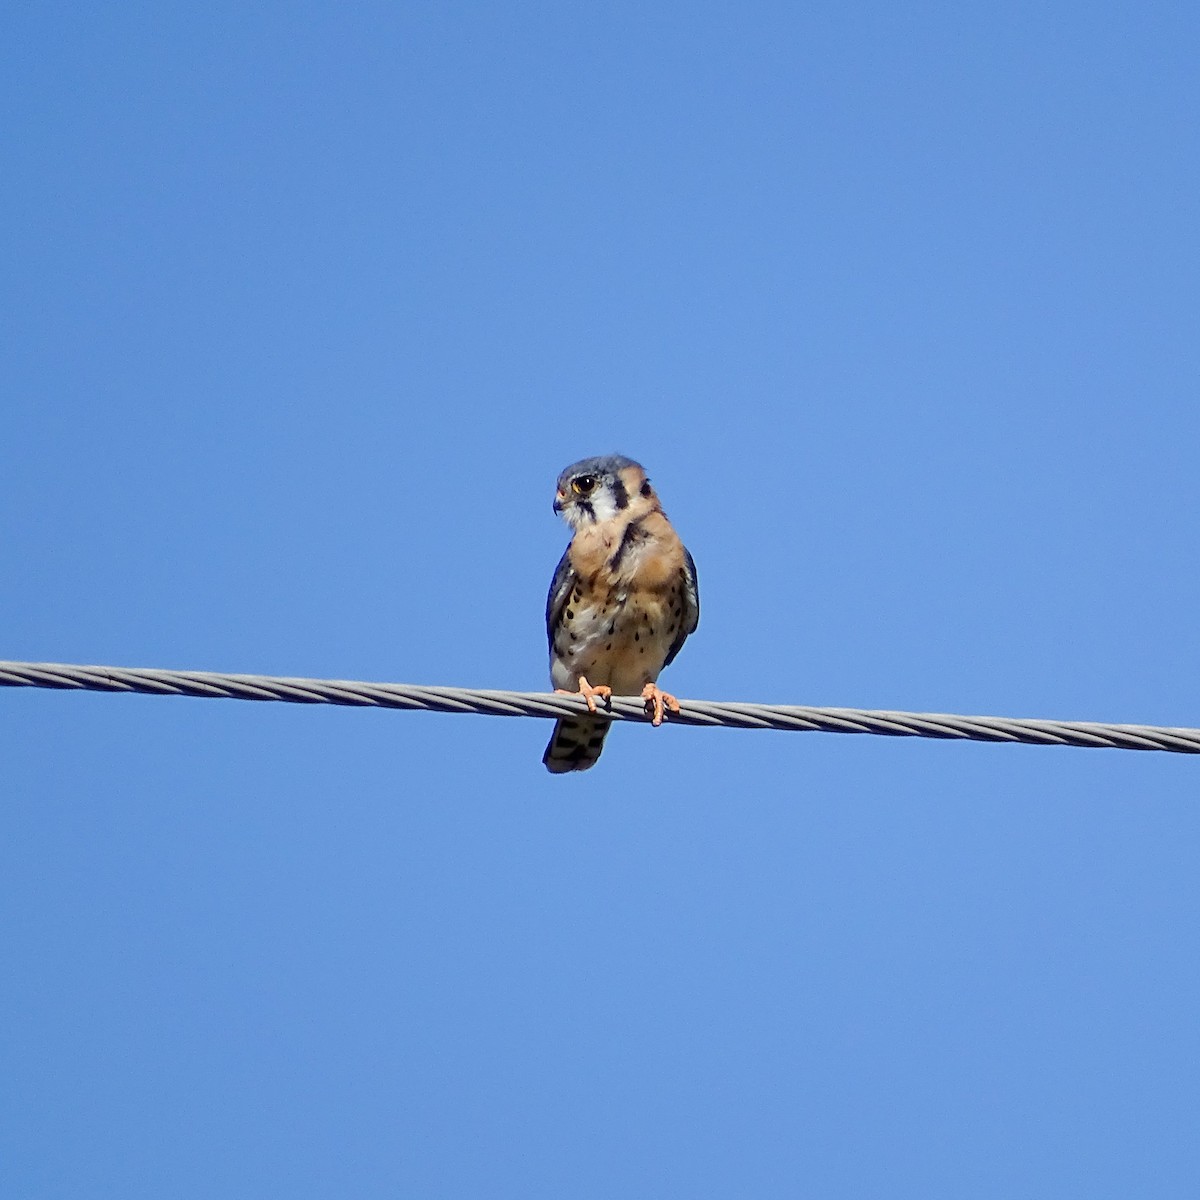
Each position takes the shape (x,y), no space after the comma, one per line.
(304,308)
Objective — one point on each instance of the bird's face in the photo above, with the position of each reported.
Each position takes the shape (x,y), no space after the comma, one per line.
(599,489)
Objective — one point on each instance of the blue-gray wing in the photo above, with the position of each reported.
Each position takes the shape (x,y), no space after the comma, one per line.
(691,608)
(560,590)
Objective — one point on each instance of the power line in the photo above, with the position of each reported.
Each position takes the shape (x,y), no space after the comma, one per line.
(786,717)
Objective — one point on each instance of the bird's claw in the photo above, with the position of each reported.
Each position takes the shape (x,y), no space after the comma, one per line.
(657,701)
(589,692)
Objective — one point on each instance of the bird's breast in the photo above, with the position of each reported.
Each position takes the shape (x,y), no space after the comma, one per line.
(619,637)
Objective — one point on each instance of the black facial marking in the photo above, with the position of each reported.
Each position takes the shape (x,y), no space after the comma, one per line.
(620,493)
(587,508)
(646,488)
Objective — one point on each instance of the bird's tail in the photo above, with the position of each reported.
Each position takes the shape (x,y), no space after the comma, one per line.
(575,744)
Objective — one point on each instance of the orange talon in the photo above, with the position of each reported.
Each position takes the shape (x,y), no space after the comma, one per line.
(657,701)
(588,691)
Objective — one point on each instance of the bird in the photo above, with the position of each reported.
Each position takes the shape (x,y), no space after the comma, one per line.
(622,602)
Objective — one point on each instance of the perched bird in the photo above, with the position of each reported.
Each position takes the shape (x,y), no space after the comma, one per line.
(622,602)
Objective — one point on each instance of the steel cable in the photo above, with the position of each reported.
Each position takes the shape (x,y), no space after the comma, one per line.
(788,717)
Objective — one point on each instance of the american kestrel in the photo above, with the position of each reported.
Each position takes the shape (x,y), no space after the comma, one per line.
(622,602)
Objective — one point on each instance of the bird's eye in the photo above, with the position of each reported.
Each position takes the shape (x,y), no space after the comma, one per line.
(583,485)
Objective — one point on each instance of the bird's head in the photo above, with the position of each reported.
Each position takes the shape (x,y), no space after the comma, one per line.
(599,489)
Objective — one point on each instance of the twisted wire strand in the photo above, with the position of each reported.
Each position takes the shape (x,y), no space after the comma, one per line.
(787,717)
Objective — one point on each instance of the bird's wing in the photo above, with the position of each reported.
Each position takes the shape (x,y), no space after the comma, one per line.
(691,607)
(560,589)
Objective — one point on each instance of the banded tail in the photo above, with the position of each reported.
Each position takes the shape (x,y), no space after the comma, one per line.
(575,744)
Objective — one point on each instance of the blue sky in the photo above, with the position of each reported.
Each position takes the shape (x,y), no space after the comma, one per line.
(305,307)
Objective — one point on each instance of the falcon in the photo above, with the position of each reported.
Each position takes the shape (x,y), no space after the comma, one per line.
(622,602)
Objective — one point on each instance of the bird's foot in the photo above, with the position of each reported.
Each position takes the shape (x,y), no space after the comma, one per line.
(657,701)
(588,691)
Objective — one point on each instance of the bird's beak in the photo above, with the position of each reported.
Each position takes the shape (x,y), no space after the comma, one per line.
(558,502)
